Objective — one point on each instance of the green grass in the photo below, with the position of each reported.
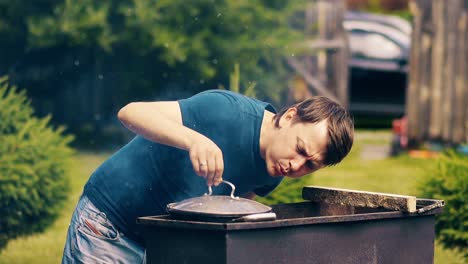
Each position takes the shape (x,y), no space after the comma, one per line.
(399,175)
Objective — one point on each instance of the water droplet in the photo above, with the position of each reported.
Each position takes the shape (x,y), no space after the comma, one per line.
(77,62)
(215,61)
(166,45)
(195,18)
(202,81)
(292,55)
(100,76)
(219,14)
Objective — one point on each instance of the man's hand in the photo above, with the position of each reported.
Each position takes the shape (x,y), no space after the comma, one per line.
(207,160)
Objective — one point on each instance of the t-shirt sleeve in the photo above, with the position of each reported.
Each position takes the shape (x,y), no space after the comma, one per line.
(207,108)
(267,189)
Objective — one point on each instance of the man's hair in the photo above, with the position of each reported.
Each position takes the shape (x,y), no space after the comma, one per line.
(340,125)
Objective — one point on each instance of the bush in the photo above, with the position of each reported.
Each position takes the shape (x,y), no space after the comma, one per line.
(33,163)
(450,183)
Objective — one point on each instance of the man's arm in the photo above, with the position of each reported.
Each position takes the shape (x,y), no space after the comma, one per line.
(162,122)
(158,121)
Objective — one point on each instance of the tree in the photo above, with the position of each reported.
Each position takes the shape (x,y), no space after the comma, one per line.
(33,167)
(144,48)
(206,36)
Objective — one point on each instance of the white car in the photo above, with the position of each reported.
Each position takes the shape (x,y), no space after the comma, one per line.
(379,47)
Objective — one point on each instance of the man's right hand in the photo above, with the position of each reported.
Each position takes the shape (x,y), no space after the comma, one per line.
(207,160)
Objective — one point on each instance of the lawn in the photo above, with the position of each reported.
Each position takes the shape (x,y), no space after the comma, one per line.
(399,175)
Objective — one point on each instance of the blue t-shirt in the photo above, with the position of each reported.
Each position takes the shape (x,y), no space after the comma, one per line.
(143,177)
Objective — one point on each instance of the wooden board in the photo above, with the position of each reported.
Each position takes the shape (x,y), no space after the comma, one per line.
(436,96)
(359,198)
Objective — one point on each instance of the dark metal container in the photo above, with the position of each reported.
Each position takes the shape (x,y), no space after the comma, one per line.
(303,232)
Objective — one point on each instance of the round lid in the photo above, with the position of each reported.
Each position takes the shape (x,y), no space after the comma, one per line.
(217,205)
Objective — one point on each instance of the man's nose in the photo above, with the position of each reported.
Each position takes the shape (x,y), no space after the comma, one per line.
(297,163)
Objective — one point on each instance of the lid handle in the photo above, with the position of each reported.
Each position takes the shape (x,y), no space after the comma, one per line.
(210,191)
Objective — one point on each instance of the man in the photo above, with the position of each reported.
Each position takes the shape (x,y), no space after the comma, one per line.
(215,135)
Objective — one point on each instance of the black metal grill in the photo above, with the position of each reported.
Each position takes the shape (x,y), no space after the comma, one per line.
(304,232)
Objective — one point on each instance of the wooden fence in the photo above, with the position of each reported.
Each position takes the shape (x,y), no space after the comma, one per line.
(321,62)
(437,94)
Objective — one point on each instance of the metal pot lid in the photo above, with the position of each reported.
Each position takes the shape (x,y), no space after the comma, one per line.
(218,205)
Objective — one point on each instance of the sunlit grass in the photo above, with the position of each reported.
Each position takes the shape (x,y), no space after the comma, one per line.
(399,175)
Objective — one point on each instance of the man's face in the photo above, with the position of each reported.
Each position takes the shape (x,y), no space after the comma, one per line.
(296,149)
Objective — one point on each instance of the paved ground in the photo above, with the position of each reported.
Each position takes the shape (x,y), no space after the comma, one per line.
(375,152)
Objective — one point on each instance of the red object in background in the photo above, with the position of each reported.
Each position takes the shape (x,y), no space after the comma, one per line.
(400,130)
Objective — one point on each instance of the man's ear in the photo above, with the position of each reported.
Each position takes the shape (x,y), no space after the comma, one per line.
(288,117)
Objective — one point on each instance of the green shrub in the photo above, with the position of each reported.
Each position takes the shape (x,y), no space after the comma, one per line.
(34,158)
(450,183)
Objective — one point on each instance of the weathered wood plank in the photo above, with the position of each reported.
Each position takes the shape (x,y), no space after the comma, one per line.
(318,86)
(309,46)
(341,57)
(426,68)
(359,198)
(327,73)
(460,132)
(438,63)
(437,94)
(453,11)
(412,102)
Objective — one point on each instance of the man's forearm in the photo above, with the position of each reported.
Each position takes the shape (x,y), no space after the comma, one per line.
(158,125)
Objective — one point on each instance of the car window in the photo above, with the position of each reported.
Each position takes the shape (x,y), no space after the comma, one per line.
(371,45)
(392,33)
